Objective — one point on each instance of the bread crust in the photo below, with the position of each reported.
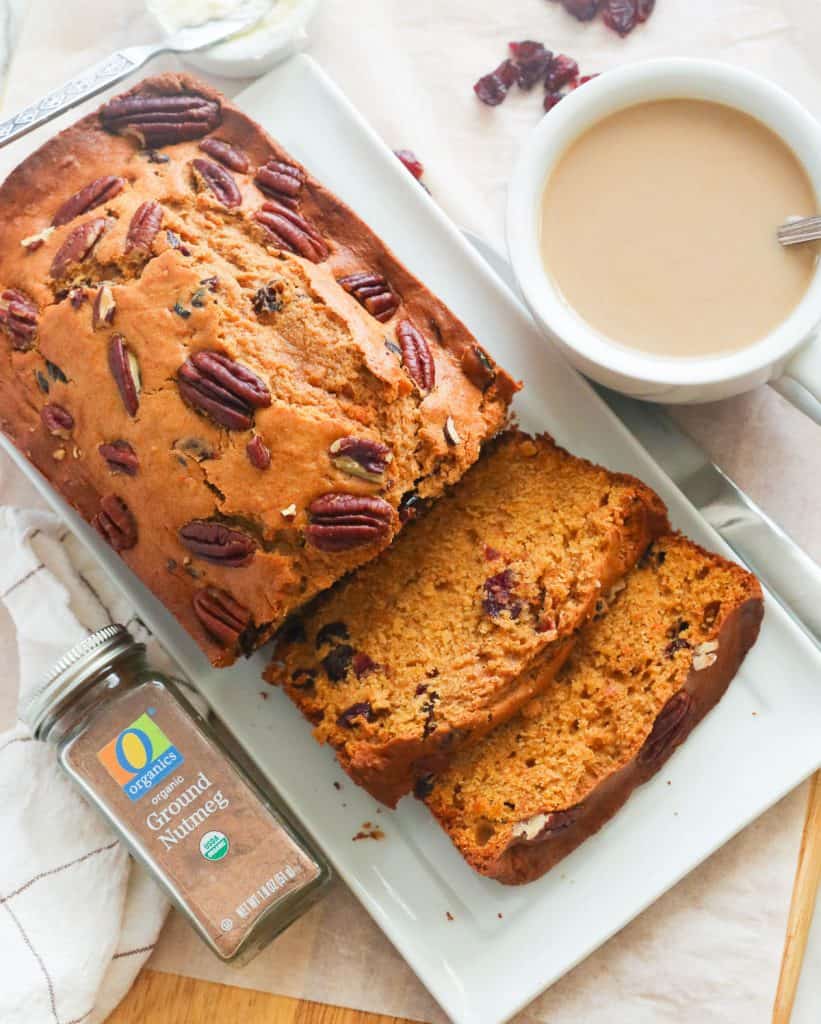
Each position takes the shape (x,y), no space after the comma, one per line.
(516,860)
(356,385)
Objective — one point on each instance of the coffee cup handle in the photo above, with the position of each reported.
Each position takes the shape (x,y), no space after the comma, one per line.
(800,383)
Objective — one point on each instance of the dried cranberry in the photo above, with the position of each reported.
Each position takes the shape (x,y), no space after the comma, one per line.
(644,8)
(337,662)
(500,596)
(362,709)
(293,632)
(584,10)
(620,15)
(330,632)
(532,62)
(411,506)
(563,70)
(423,786)
(551,99)
(679,644)
(57,420)
(303,678)
(492,88)
(363,664)
(411,161)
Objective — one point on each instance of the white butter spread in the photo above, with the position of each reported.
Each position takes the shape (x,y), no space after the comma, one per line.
(250,52)
(177,14)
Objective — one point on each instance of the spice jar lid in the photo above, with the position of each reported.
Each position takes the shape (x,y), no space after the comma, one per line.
(75,669)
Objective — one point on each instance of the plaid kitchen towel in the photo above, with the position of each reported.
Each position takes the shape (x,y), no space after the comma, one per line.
(77,917)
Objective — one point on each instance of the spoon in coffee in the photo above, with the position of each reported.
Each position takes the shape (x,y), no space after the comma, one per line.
(800,229)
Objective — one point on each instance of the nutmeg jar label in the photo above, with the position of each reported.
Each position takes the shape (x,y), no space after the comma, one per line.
(140,757)
(189,813)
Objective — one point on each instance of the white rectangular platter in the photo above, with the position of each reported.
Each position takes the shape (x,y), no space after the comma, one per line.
(503,945)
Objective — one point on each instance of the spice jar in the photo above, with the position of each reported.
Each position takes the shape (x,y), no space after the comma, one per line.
(144,756)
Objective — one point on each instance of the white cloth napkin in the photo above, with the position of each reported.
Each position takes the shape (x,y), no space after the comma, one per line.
(77,917)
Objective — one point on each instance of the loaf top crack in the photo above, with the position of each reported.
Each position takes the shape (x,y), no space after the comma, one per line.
(426,649)
(219,365)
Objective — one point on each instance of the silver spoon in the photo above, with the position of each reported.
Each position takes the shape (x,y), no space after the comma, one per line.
(800,229)
(120,64)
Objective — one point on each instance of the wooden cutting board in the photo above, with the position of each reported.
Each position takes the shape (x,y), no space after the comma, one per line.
(170,999)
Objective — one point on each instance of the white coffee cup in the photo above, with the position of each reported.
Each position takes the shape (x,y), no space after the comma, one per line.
(789,357)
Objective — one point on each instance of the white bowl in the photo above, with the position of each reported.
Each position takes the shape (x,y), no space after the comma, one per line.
(253,53)
(658,378)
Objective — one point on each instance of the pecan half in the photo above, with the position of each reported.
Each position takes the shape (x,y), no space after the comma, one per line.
(116,522)
(57,420)
(161,120)
(362,709)
(103,308)
(542,827)
(144,226)
(223,618)
(361,457)
(126,372)
(33,242)
(477,367)
(120,456)
(669,729)
(18,319)
(230,156)
(452,435)
(94,194)
(77,245)
(416,356)
(218,181)
(373,292)
(217,543)
(258,453)
(226,391)
(281,181)
(343,521)
(291,232)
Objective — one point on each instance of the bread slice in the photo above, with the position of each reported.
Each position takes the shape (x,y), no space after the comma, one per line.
(639,679)
(428,648)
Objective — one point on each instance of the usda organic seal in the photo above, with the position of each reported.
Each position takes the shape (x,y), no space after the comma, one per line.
(214,845)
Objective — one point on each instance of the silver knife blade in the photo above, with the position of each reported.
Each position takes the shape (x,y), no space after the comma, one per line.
(793,578)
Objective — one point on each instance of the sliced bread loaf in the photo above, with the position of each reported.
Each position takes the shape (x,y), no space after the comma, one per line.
(468,615)
(641,676)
